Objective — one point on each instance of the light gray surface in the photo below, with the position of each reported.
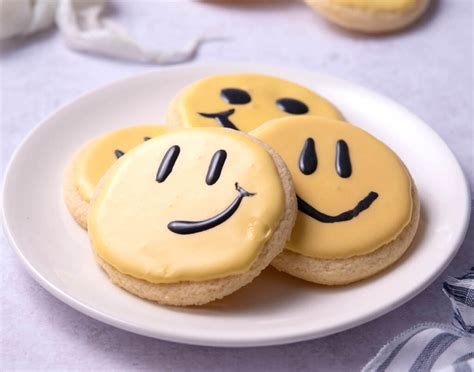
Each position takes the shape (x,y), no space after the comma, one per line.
(428,69)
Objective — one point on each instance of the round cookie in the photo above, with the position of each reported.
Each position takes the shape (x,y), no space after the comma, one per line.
(243,102)
(192,215)
(371,16)
(91,162)
(358,206)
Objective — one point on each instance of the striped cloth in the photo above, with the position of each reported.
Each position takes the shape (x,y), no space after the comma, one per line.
(432,346)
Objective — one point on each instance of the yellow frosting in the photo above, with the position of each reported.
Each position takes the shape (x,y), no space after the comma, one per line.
(128,221)
(375,168)
(205,96)
(378,5)
(98,156)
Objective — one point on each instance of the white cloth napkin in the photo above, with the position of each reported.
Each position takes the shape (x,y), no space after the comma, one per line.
(435,347)
(84,29)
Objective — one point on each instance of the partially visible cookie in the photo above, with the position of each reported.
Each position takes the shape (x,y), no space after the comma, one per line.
(371,16)
(243,102)
(91,162)
(358,205)
(192,216)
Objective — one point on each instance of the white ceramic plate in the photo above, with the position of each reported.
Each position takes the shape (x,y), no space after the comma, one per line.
(275,308)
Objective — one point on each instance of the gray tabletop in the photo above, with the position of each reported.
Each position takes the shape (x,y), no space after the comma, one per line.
(428,68)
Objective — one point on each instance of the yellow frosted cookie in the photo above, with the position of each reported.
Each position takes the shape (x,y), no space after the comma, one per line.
(371,16)
(244,101)
(94,159)
(192,215)
(358,207)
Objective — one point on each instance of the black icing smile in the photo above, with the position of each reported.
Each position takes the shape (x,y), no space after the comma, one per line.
(308,163)
(191,227)
(344,216)
(222,118)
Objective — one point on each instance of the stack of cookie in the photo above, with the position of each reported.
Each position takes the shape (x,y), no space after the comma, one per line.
(250,170)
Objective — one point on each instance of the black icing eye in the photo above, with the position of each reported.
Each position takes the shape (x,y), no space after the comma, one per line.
(167,163)
(308,159)
(235,96)
(343,160)
(146,138)
(292,106)
(215,167)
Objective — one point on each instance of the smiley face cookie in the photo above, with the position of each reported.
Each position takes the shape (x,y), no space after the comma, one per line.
(358,207)
(92,162)
(371,16)
(243,102)
(192,215)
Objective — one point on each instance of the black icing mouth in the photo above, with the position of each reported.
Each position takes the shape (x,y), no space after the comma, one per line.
(221,117)
(344,216)
(192,227)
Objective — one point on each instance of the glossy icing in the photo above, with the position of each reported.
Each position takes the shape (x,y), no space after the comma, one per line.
(184,229)
(308,158)
(221,118)
(215,168)
(342,213)
(257,99)
(348,215)
(378,5)
(194,227)
(235,96)
(167,164)
(343,160)
(292,106)
(97,157)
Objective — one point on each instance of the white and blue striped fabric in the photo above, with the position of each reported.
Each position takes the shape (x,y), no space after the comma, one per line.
(432,346)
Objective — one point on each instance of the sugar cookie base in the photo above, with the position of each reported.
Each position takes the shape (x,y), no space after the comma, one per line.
(202,292)
(345,271)
(368,21)
(173,119)
(77,206)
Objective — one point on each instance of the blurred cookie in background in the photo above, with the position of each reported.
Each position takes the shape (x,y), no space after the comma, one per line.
(371,16)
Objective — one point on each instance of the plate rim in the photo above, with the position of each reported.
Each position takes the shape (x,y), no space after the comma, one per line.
(190,338)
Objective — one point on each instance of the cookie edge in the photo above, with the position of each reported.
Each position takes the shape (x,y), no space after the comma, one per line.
(76,205)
